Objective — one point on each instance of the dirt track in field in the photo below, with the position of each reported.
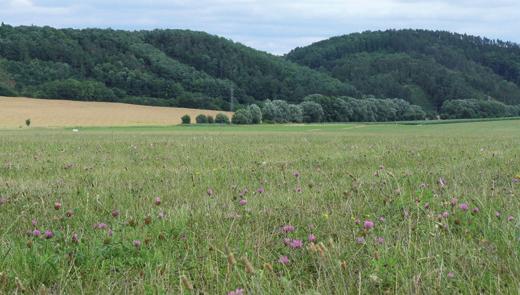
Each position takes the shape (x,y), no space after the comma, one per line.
(65,113)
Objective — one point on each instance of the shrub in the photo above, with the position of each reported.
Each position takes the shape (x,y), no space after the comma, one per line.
(186,119)
(221,118)
(295,113)
(242,116)
(256,114)
(28,122)
(201,119)
(211,120)
(311,112)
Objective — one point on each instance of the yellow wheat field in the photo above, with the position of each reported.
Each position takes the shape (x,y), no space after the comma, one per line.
(64,113)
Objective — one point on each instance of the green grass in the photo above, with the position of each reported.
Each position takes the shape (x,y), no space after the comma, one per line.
(347,172)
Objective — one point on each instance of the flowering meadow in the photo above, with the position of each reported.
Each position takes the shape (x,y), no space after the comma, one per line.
(314,209)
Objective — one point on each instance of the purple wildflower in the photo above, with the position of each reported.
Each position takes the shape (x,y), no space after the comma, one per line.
(210,192)
(311,238)
(476,210)
(284,260)
(382,219)
(454,202)
(137,244)
(427,206)
(360,240)
(243,202)
(48,234)
(100,226)
(115,213)
(57,205)
(445,214)
(157,201)
(451,275)
(75,238)
(380,240)
(368,224)
(296,174)
(288,228)
(260,190)
(497,214)
(36,233)
(464,207)
(238,291)
(298,189)
(510,218)
(34,222)
(296,244)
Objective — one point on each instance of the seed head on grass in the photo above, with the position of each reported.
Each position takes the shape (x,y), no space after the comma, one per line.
(186,282)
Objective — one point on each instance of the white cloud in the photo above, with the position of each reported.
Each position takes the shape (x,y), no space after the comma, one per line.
(275,26)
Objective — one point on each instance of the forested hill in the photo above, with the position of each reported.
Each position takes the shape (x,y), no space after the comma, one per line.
(162,67)
(423,67)
(198,70)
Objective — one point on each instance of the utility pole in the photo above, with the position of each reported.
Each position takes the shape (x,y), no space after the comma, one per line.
(231,98)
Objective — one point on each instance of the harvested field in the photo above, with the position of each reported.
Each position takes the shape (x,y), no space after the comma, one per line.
(63,113)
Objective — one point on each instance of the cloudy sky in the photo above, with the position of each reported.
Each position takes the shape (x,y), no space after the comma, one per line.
(273,25)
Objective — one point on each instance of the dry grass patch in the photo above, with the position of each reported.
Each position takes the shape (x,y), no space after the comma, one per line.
(64,113)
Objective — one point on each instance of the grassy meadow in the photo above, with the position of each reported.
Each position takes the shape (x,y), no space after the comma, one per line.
(285,209)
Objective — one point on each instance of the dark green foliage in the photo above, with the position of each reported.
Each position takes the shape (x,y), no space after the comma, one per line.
(221,118)
(472,108)
(312,112)
(28,122)
(161,67)
(256,114)
(295,113)
(242,116)
(186,119)
(334,108)
(211,120)
(425,68)
(201,119)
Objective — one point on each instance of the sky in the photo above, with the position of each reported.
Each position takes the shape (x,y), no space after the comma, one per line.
(275,26)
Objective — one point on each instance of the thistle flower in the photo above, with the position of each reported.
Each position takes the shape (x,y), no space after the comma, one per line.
(357,221)
(476,210)
(210,192)
(36,233)
(464,207)
(48,234)
(288,228)
(243,202)
(360,240)
(427,206)
(497,214)
(75,238)
(57,205)
(298,189)
(157,201)
(510,218)
(260,190)
(311,238)
(445,214)
(368,224)
(296,174)
(284,260)
(115,213)
(34,222)
(380,240)
(382,219)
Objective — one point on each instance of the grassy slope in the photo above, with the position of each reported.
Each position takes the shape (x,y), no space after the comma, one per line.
(98,170)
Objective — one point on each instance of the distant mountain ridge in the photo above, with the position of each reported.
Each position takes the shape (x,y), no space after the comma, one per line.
(198,70)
